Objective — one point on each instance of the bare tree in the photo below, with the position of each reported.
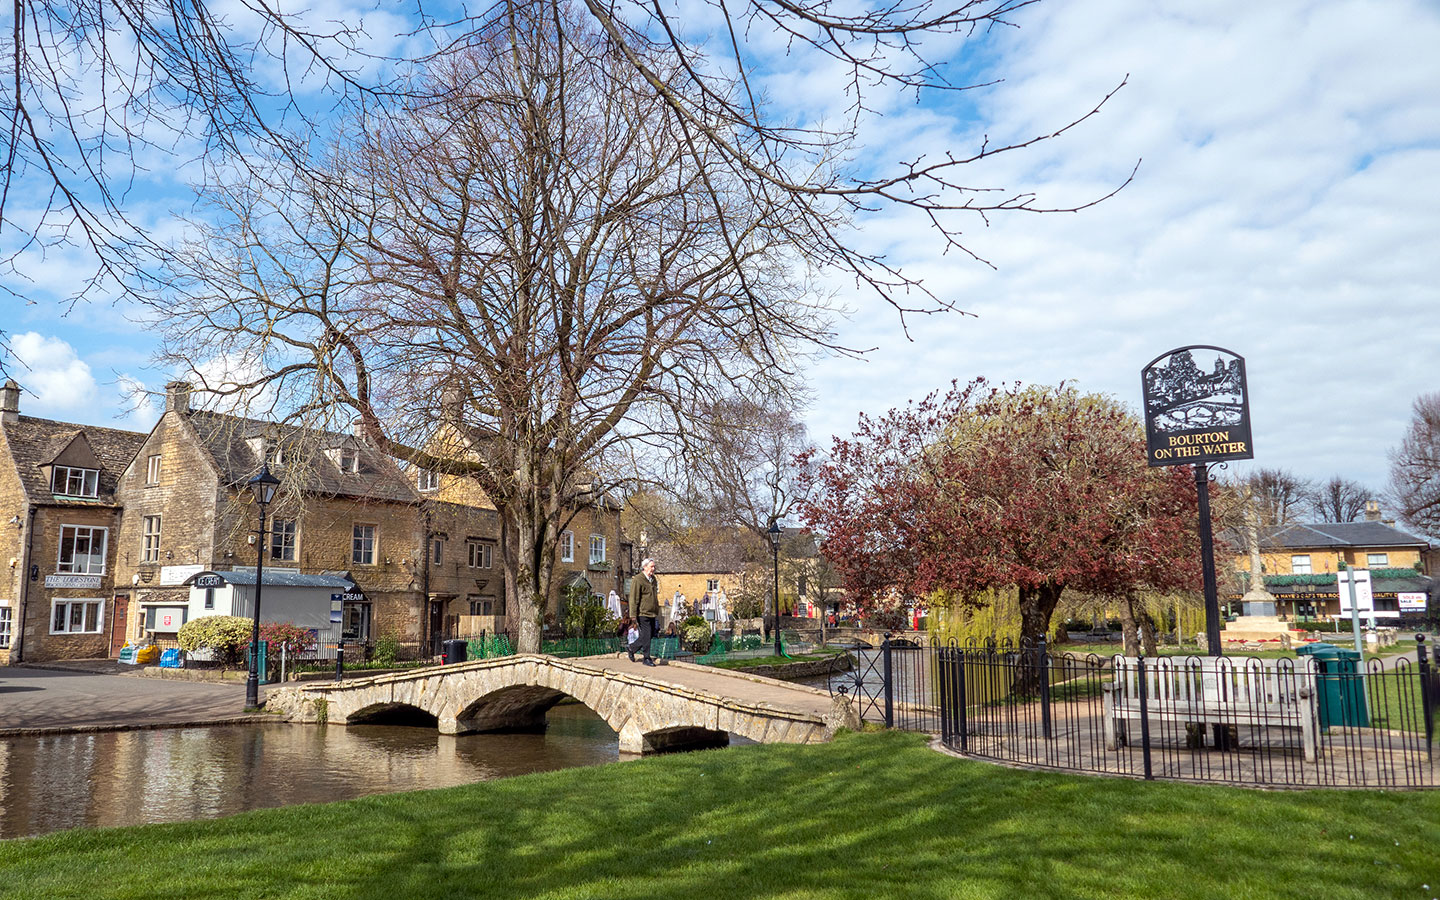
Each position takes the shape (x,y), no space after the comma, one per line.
(517,277)
(1339,500)
(1415,467)
(1279,496)
(743,463)
(185,81)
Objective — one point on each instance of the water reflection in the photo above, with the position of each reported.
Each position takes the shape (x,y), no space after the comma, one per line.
(53,782)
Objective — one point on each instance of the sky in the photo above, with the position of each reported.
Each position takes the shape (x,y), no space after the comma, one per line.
(1285,208)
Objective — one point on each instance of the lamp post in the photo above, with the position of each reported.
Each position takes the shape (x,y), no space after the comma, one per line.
(774,533)
(262,486)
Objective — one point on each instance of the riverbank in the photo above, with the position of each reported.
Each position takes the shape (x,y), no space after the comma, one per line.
(869,815)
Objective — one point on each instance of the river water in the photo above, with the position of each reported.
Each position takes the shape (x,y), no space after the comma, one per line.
(53,782)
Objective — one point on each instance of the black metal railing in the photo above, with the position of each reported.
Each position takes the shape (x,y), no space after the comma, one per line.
(1329,721)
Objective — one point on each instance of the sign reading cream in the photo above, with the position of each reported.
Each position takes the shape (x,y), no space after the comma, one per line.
(1197,408)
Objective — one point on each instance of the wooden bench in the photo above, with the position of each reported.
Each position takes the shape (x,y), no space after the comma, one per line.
(1211,690)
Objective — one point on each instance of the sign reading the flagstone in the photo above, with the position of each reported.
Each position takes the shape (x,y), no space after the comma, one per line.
(1197,409)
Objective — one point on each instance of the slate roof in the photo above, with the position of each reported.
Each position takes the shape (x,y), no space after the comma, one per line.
(227,440)
(717,552)
(1335,534)
(36,442)
(281,579)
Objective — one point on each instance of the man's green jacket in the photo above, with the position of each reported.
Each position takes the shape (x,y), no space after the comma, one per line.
(644,597)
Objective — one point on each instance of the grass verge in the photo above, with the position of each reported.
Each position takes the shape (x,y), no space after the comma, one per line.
(870,815)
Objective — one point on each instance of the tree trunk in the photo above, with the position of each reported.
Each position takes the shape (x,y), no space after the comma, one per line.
(1128,626)
(1037,605)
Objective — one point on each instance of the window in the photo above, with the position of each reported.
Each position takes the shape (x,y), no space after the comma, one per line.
(362,547)
(429,481)
(349,460)
(1377,559)
(597,549)
(76,617)
(282,539)
(152,469)
(712,585)
(1300,565)
(567,547)
(437,551)
(150,542)
(82,550)
(209,598)
(355,624)
(486,606)
(68,482)
(479,553)
(6,624)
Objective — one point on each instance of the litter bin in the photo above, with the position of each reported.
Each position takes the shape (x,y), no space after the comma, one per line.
(453,651)
(1339,685)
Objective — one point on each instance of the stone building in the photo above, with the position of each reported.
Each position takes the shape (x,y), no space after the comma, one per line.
(59,517)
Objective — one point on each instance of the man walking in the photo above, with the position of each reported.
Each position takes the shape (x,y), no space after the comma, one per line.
(645,610)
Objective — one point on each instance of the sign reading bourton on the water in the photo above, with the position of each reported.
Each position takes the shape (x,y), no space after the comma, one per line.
(1197,409)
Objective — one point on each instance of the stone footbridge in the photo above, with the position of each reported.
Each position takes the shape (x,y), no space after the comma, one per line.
(673,706)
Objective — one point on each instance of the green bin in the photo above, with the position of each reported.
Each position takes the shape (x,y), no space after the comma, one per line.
(1339,684)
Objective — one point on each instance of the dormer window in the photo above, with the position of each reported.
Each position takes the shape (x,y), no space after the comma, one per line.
(349,460)
(428,480)
(274,453)
(72,482)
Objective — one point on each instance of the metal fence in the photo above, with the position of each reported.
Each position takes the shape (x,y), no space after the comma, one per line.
(1282,722)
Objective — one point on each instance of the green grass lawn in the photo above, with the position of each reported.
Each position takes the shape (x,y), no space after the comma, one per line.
(750,662)
(868,816)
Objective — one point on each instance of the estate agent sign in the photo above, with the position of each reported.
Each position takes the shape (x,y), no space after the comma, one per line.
(1197,409)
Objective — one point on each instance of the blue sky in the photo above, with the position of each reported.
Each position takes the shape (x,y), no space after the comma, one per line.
(1285,208)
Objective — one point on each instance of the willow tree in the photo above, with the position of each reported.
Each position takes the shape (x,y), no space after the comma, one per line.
(517,277)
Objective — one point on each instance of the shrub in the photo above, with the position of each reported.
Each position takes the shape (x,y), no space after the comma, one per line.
(288,635)
(387,648)
(225,635)
(585,613)
(697,637)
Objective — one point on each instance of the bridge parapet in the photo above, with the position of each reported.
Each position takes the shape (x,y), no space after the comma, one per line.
(649,712)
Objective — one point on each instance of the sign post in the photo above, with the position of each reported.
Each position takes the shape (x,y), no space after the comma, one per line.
(1355,592)
(1196,416)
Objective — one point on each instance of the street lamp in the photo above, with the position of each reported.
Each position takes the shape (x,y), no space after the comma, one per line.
(774,533)
(262,487)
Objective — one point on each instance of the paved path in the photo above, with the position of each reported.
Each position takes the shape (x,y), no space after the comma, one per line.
(36,699)
(720,683)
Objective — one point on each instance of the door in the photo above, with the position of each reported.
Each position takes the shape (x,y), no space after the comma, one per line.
(117,624)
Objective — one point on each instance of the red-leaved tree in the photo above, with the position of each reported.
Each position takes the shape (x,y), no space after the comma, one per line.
(1037,488)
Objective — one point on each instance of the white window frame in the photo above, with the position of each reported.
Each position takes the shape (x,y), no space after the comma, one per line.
(597,549)
(712,585)
(69,603)
(280,529)
(479,554)
(7,625)
(89,482)
(1300,564)
(150,539)
(428,480)
(361,553)
(567,546)
(1381,560)
(349,461)
(152,469)
(73,569)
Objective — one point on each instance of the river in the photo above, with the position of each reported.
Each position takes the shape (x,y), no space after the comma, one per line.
(54,782)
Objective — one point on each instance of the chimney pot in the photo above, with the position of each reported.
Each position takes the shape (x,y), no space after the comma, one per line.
(10,401)
(177,396)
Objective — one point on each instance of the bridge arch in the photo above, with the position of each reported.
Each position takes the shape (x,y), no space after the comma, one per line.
(648,712)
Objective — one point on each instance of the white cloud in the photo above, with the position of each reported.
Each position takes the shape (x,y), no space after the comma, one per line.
(49,369)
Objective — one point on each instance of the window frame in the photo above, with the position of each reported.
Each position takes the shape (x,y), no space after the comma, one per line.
(603,557)
(89,478)
(567,546)
(427,480)
(60,568)
(479,554)
(437,551)
(152,469)
(97,603)
(356,538)
(1295,564)
(349,461)
(280,532)
(1381,560)
(7,626)
(150,540)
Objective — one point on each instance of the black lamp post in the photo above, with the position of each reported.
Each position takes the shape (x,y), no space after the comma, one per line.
(774,533)
(263,487)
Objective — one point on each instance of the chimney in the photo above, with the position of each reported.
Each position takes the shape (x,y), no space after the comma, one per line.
(9,401)
(1372,510)
(177,397)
